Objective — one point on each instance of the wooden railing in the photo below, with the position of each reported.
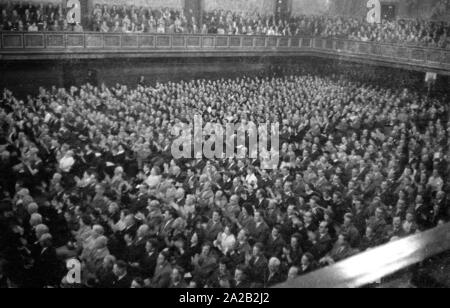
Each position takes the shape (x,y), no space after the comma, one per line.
(54,42)
(374,265)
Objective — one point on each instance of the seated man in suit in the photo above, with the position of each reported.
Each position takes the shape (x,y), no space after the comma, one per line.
(123,280)
(147,264)
(5,282)
(214,227)
(341,250)
(257,264)
(261,230)
(395,230)
(105,274)
(324,241)
(161,278)
(47,266)
(275,243)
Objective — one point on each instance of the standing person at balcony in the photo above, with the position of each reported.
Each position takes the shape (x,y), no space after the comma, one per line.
(96,11)
(52,22)
(50,9)
(115,18)
(104,9)
(135,17)
(213,26)
(3,18)
(15,19)
(96,22)
(42,9)
(196,30)
(142,17)
(178,25)
(192,26)
(151,25)
(39,19)
(27,18)
(106,16)
(221,26)
(230,29)
(60,13)
(126,22)
(114,11)
(122,11)
(30,7)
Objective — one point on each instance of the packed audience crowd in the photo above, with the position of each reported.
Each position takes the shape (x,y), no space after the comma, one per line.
(138,20)
(88,173)
(414,32)
(23,16)
(132,19)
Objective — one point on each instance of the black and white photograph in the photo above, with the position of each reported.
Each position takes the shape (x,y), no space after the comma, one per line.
(224,149)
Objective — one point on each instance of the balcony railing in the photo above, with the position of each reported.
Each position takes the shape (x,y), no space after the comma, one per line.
(374,265)
(22,42)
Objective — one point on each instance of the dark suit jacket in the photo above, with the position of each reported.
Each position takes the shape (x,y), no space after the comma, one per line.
(263,204)
(225,186)
(235,258)
(105,278)
(137,250)
(257,269)
(181,285)
(323,246)
(274,279)
(148,264)
(161,279)
(140,203)
(213,230)
(47,268)
(124,283)
(260,233)
(274,247)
